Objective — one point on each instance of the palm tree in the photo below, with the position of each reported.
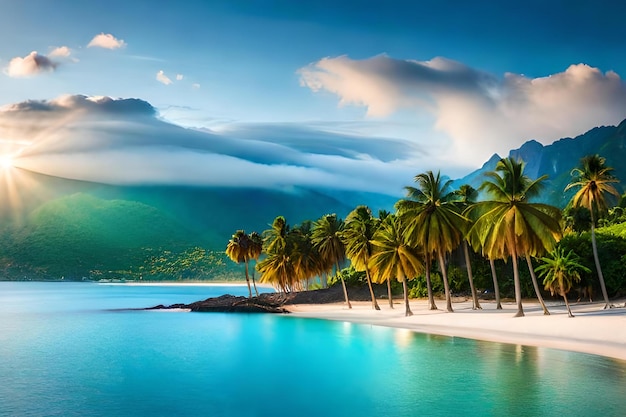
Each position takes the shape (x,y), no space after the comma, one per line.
(382,215)
(238,250)
(356,236)
(303,254)
(533,278)
(509,225)
(594,183)
(275,238)
(467,196)
(560,271)
(496,287)
(278,267)
(256,249)
(432,223)
(394,257)
(326,239)
(278,270)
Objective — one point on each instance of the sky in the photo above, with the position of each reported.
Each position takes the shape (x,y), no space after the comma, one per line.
(359,95)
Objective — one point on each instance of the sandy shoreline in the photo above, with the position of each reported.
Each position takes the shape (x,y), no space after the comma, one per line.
(593,330)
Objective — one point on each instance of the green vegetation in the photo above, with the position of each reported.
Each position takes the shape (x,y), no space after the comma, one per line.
(433,223)
(84,237)
(357,237)
(507,226)
(560,270)
(594,182)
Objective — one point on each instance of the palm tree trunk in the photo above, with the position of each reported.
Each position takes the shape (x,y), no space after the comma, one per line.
(518,287)
(470,277)
(254,284)
(369,283)
(407,311)
(323,280)
(389,294)
(594,246)
(534,279)
(446,285)
(429,287)
(248,280)
(496,287)
(343,284)
(569,311)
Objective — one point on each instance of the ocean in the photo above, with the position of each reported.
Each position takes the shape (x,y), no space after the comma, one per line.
(78,349)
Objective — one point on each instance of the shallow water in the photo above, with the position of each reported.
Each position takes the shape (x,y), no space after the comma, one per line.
(70,349)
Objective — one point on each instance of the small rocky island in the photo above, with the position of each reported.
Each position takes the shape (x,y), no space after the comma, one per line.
(273,302)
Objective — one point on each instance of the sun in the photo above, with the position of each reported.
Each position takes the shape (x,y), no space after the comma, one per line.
(6,162)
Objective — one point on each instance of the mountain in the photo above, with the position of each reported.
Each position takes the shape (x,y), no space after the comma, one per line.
(559,158)
(55,227)
(76,234)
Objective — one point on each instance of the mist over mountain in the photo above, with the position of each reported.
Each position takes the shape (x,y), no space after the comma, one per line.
(54,227)
(67,228)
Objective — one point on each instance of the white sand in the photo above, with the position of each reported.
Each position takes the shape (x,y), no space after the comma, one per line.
(593,330)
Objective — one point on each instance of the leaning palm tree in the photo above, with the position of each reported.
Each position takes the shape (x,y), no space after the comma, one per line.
(326,239)
(394,257)
(303,254)
(509,225)
(496,286)
(433,223)
(467,196)
(560,271)
(356,236)
(594,182)
(533,278)
(278,270)
(256,249)
(382,215)
(275,238)
(238,250)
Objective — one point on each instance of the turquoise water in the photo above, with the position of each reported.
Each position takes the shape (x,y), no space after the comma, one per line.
(66,349)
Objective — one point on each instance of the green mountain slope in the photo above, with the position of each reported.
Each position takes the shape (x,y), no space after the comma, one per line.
(75,235)
(559,158)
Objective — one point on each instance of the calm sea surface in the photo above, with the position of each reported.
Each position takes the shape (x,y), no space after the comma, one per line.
(69,349)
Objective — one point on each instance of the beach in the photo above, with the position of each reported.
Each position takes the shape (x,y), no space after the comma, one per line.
(593,330)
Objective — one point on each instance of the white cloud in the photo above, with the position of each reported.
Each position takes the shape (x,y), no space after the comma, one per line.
(32,64)
(162,78)
(107,41)
(195,85)
(61,51)
(124,142)
(179,77)
(480,112)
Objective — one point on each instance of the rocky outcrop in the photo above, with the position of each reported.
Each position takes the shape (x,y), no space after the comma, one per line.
(275,302)
(228,304)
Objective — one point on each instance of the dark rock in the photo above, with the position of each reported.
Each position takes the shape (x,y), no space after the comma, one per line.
(275,302)
(228,304)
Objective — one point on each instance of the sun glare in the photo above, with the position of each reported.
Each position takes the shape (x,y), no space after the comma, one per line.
(6,162)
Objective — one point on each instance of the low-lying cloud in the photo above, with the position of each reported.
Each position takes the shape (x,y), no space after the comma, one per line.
(122,141)
(482,113)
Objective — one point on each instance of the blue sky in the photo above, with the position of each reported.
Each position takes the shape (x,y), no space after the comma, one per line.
(377,90)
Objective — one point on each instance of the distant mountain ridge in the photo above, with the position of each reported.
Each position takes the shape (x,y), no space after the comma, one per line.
(61,227)
(71,228)
(559,158)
